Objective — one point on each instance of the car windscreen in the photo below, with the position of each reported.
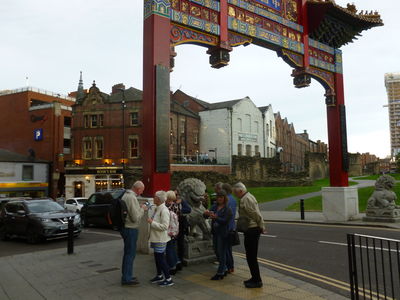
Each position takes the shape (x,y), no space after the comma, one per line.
(118,193)
(44,206)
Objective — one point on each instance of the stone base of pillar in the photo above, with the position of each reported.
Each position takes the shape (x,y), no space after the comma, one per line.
(340,204)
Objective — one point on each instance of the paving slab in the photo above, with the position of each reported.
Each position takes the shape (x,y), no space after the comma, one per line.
(93,272)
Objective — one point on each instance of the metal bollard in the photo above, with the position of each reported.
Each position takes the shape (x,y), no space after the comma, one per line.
(302,209)
(70,245)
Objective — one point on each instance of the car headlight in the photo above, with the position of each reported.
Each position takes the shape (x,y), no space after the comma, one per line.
(77,219)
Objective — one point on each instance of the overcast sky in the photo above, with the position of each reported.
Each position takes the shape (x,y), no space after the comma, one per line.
(50,41)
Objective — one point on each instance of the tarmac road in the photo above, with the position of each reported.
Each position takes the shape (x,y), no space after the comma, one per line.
(298,249)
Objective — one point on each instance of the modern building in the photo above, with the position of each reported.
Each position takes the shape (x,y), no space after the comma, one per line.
(36,122)
(236,127)
(23,176)
(392,83)
(107,136)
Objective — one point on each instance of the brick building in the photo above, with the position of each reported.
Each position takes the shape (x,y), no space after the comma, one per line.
(38,123)
(292,147)
(107,136)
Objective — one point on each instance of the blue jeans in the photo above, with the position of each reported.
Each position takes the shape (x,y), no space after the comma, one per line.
(130,236)
(161,265)
(172,254)
(220,248)
(229,256)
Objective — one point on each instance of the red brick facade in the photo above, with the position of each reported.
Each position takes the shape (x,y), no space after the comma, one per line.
(116,139)
(29,109)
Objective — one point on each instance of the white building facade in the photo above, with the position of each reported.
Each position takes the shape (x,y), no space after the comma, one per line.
(22,176)
(237,127)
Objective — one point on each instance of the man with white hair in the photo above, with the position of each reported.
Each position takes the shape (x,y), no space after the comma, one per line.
(130,232)
(159,223)
(252,225)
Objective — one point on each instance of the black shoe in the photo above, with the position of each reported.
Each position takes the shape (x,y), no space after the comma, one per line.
(253,284)
(157,279)
(130,283)
(217,277)
(179,267)
(248,281)
(226,273)
(173,271)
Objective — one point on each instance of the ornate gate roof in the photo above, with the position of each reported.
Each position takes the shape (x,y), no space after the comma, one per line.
(335,25)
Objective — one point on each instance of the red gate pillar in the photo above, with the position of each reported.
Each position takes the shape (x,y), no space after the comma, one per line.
(156,96)
(337,137)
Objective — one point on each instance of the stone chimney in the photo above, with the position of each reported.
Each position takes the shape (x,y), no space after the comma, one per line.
(117,88)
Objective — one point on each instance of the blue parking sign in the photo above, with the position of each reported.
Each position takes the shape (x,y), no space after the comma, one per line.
(38,134)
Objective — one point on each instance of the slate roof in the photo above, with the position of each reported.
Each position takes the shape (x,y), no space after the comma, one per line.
(222,105)
(130,95)
(201,102)
(9,156)
(178,108)
(263,109)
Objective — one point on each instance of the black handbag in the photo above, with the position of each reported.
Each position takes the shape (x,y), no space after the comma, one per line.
(242,224)
(234,238)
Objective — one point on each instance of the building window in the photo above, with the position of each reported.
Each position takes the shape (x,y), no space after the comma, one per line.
(133,147)
(266,130)
(248,150)
(27,173)
(134,118)
(240,124)
(93,121)
(196,138)
(257,150)
(101,120)
(99,148)
(67,121)
(86,121)
(270,126)
(183,125)
(255,126)
(240,150)
(87,148)
(248,124)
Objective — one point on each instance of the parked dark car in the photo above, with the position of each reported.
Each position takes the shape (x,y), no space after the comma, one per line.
(95,210)
(36,220)
(3,201)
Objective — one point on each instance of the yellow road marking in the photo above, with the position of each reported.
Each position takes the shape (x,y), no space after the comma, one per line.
(314,276)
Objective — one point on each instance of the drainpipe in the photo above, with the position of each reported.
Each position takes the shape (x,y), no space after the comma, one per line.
(263,117)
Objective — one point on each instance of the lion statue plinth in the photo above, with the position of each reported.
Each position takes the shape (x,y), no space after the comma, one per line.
(381,205)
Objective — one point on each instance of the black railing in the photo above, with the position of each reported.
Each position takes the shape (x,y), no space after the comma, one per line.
(374,267)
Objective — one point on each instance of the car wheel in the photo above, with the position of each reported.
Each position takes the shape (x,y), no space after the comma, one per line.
(3,234)
(33,237)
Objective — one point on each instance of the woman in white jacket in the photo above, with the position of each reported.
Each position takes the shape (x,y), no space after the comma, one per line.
(159,223)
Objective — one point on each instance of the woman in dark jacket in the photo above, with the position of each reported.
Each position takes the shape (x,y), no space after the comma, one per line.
(220,214)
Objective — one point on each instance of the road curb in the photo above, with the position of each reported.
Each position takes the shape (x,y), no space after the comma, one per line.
(332,223)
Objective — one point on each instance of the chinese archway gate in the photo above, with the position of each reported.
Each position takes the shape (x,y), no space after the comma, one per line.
(306,34)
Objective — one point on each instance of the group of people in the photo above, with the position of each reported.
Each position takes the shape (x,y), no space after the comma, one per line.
(168,227)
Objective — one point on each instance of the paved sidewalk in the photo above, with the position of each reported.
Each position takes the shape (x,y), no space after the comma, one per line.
(93,273)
